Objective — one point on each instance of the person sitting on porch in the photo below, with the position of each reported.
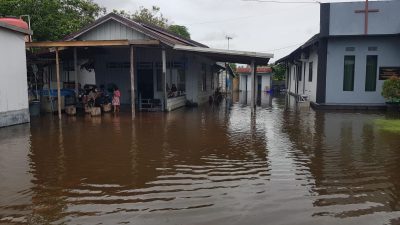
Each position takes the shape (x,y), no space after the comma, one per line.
(92,96)
(103,97)
(174,90)
(169,92)
(116,99)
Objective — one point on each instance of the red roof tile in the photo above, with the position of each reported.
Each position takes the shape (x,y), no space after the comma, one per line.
(259,70)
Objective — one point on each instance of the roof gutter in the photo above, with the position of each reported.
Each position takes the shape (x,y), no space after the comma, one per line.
(223,52)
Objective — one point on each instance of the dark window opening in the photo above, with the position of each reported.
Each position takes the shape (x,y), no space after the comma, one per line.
(371,72)
(310,71)
(348,76)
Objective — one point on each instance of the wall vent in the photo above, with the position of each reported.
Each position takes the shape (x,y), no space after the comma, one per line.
(373,49)
(350,49)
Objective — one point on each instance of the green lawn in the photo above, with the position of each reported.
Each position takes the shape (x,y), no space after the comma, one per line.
(389,125)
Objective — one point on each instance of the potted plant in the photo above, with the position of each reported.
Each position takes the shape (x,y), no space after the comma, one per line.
(391,92)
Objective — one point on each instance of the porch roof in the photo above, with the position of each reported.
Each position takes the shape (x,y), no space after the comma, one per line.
(95,43)
(232,56)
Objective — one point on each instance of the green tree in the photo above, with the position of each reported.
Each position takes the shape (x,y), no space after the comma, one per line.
(155,17)
(152,16)
(279,72)
(145,15)
(53,19)
(180,30)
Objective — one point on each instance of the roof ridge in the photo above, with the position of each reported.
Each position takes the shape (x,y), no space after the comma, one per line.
(153,31)
(174,35)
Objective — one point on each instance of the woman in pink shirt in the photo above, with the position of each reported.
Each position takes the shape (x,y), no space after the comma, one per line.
(116,99)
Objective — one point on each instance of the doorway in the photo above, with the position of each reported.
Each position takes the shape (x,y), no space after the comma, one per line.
(145,83)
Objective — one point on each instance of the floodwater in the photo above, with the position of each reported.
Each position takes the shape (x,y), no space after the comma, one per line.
(207,165)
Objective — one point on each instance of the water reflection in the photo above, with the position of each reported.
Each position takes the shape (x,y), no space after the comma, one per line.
(263,99)
(162,163)
(218,164)
(15,176)
(351,163)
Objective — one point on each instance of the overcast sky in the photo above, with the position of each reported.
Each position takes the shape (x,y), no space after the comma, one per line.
(254,26)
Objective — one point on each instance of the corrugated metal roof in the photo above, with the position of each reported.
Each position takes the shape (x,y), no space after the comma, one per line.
(173,35)
(152,31)
(314,39)
(233,56)
(262,69)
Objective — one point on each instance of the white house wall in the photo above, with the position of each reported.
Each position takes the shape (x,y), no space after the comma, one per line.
(388,55)
(118,76)
(292,78)
(121,76)
(222,80)
(311,87)
(305,87)
(86,77)
(112,30)
(13,85)
(243,82)
(266,83)
(202,96)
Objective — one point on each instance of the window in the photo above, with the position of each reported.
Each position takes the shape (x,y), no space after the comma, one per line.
(310,71)
(373,49)
(371,72)
(350,49)
(348,75)
(204,77)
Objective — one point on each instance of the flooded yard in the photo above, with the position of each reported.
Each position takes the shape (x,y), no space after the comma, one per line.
(207,165)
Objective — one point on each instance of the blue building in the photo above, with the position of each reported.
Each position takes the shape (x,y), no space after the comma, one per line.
(345,65)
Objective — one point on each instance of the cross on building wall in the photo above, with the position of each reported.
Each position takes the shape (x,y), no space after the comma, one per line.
(366,11)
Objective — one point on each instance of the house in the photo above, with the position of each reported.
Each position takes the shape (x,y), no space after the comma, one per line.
(14,107)
(263,81)
(144,61)
(345,65)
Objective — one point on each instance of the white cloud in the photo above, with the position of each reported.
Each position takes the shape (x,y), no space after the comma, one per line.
(256,26)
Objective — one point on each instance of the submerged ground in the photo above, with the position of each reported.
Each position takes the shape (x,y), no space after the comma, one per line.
(208,165)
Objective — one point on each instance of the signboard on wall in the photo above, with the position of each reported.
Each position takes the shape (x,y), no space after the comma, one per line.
(386,72)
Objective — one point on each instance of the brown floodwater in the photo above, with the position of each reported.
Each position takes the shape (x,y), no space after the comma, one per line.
(206,165)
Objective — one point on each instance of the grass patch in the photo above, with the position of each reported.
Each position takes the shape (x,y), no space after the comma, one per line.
(389,125)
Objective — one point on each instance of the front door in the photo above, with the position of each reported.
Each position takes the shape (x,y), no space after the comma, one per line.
(145,83)
(259,84)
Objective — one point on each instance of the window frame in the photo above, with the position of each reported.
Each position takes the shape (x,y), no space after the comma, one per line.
(349,57)
(367,75)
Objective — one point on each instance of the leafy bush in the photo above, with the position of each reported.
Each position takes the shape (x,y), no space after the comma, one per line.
(391,90)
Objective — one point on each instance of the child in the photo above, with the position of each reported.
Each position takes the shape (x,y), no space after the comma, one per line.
(115,100)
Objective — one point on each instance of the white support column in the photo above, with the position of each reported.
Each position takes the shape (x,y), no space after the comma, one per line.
(164,78)
(132,71)
(58,84)
(253,84)
(76,72)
